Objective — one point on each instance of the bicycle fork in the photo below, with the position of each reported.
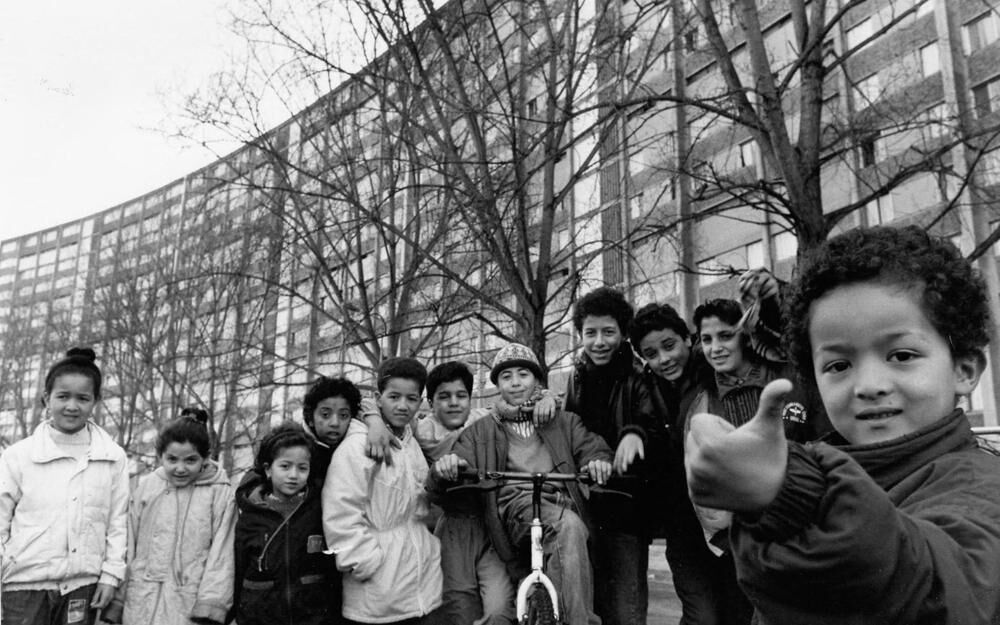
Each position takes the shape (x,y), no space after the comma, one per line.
(537,575)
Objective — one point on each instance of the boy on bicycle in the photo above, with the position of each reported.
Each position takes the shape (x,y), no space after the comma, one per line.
(508,440)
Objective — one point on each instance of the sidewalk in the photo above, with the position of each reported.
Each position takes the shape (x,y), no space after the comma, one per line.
(664,606)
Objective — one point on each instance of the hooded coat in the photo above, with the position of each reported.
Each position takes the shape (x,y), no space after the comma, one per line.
(283,575)
(180,550)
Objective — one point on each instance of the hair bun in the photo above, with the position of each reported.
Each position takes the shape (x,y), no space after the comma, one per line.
(198,415)
(82,352)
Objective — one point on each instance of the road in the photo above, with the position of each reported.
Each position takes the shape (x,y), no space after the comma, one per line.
(664,606)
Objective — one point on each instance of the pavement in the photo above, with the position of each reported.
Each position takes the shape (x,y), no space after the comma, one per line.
(664,606)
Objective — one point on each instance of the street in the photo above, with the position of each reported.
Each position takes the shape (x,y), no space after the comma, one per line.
(664,606)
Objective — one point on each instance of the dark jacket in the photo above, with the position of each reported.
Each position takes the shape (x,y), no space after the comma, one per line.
(282,574)
(904,531)
(613,400)
(484,446)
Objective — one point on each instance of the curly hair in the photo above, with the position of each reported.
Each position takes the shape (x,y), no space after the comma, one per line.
(600,302)
(727,310)
(952,294)
(324,388)
(190,427)
(449,372)
(285,436)
(654,317)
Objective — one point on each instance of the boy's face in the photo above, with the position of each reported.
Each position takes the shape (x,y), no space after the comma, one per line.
(398,402)
(666,353)
(601,338)
(723,346)
(882,369)
(331,418)
(516,385)
(451,404)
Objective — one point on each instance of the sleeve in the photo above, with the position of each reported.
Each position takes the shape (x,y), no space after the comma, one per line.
(215,593)
(346,524)
(833,541)
(116,541)
(113,613)
(586,445)
(10,494)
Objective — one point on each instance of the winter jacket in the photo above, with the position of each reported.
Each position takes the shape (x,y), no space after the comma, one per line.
(484,445)
(283,575)
(612,401)
(904,531)
(180,550)
(373,519)
(63,521)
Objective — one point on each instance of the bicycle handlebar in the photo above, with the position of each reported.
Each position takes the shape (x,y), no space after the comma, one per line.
(492,480)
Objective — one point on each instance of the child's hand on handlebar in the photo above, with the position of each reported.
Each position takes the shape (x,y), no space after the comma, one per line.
(448,466)
(599,470)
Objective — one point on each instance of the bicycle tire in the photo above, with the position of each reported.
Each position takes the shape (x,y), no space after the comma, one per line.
(539,609)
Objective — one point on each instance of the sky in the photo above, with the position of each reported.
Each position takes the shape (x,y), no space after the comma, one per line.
(89,92)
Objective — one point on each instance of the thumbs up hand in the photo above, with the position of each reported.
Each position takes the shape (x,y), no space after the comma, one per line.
(739,469)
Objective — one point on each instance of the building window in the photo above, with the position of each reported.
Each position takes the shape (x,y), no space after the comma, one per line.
(930,61)
(984,95)
(755,255)
(879,211)
(532,108)
(692,39)
(925,8)
(865,92)
(871,150)
(709,272)
(989,168)
(980,32)
(785,245)
(747,154)
(934,121)
(861,32)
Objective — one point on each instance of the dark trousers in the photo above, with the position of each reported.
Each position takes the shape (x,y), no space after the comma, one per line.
(621,584)
(706,585)
(48,607)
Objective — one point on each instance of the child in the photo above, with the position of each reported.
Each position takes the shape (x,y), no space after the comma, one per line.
(675,373)
(373,512)
(282,574)
(510,441)
(63,505)
(608,392)
(899,522)
(476,584)
(181,522)
(327,409)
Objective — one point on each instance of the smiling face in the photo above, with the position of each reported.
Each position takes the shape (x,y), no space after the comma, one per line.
(289,471)
(601,338)
(398,403)
(882,369)
(182,463)
(722,344)
(666,353)
(330,420)
(71,402)
(451,403)
(516,385)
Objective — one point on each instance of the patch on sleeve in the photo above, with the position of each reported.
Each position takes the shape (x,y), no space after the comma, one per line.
(315,543)
(794,412)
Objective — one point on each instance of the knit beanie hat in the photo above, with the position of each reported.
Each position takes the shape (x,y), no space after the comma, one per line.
(516,355)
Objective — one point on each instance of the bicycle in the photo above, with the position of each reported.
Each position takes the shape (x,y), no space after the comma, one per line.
(540,607)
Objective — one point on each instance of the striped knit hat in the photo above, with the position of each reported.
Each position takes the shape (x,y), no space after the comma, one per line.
(516,355)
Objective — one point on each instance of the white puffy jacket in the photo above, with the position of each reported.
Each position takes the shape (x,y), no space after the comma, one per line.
(63,521)
(373,519)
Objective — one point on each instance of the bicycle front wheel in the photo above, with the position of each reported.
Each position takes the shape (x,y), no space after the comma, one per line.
(539,609)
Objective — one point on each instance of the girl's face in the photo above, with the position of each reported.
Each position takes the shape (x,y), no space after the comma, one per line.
(289,471)
(71,402)
(666,353)
(331,418)
(723,346)
(516,385)
(882,368)
(182,462)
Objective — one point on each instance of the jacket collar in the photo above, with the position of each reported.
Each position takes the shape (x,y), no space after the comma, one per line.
(889,462)
(44,449)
